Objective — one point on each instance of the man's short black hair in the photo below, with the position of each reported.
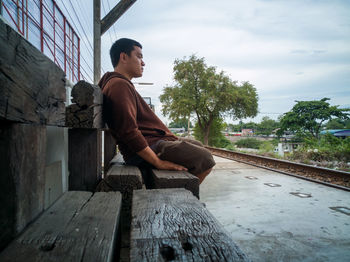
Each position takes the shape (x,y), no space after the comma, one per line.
(122,45)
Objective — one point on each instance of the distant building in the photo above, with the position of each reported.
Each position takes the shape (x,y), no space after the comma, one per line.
(148,100)
(247,132)
(337,132)
(177,129)
(286,148)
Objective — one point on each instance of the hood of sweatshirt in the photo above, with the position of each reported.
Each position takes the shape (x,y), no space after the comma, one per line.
(108,76)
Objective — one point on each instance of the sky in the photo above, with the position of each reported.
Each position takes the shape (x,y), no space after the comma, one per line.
(289,50)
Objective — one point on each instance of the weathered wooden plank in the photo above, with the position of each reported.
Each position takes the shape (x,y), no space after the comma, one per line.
(86,112)
(109,150)
(125,179)
(84,159)
(176,179)
(22,179)
(80,226)
(122,178)
(171,224)
(32,86)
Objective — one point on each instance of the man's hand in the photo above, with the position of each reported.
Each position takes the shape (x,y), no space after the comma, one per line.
(166,165)
(151,157)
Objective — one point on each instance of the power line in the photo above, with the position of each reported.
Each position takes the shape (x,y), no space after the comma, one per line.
(87,39)
(115,33)
(87,75)
(88,28)
(76,26)
(83,14)
(104,10)
(75,13)
(83,59)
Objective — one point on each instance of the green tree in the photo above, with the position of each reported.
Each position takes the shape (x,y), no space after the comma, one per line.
(337,123)
(216,137)
(182,122)
(307,117)
(200,91)
(266,126)
(234,128)
(249,125)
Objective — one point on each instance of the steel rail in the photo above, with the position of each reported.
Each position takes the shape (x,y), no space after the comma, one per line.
(325,176)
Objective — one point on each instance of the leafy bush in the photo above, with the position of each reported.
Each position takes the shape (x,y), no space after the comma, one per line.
(266,146)
(327,148)
(248,143)
(216,138)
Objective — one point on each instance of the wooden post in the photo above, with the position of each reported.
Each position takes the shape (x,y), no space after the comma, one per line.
(85,139)
(97,41)
(86,112)
(84,158)
(22,179)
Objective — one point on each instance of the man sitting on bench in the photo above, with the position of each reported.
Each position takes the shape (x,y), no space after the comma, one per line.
(141,136)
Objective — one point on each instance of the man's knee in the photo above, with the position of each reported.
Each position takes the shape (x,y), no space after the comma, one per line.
(196,158)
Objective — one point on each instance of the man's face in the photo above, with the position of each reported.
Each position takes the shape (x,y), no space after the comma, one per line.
(135,62)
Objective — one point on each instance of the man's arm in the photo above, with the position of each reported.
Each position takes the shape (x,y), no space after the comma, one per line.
(148,155)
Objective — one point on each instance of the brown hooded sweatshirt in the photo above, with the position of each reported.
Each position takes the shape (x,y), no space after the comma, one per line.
(131,121)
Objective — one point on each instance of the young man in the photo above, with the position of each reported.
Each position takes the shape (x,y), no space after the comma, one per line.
(140,134)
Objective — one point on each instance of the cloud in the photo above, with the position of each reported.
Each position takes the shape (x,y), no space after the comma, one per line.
(288,49)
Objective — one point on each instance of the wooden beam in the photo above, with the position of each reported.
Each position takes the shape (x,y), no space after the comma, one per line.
(171,224)
(115,14)
(175,179)
(123,178)
(22,179)
(32,87)
(80,226)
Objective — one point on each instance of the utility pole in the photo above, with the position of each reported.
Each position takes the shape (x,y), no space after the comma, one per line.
(97,41)
(101,26)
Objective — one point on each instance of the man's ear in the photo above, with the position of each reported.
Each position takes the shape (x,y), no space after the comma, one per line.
(122,57)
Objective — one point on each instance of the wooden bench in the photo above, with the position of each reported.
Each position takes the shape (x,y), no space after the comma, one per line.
(171,224)
(80,226)
(175,179)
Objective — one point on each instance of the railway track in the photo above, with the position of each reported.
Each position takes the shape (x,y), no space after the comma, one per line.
(329,177)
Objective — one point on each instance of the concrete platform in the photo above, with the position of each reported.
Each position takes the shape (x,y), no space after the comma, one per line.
(274,217)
